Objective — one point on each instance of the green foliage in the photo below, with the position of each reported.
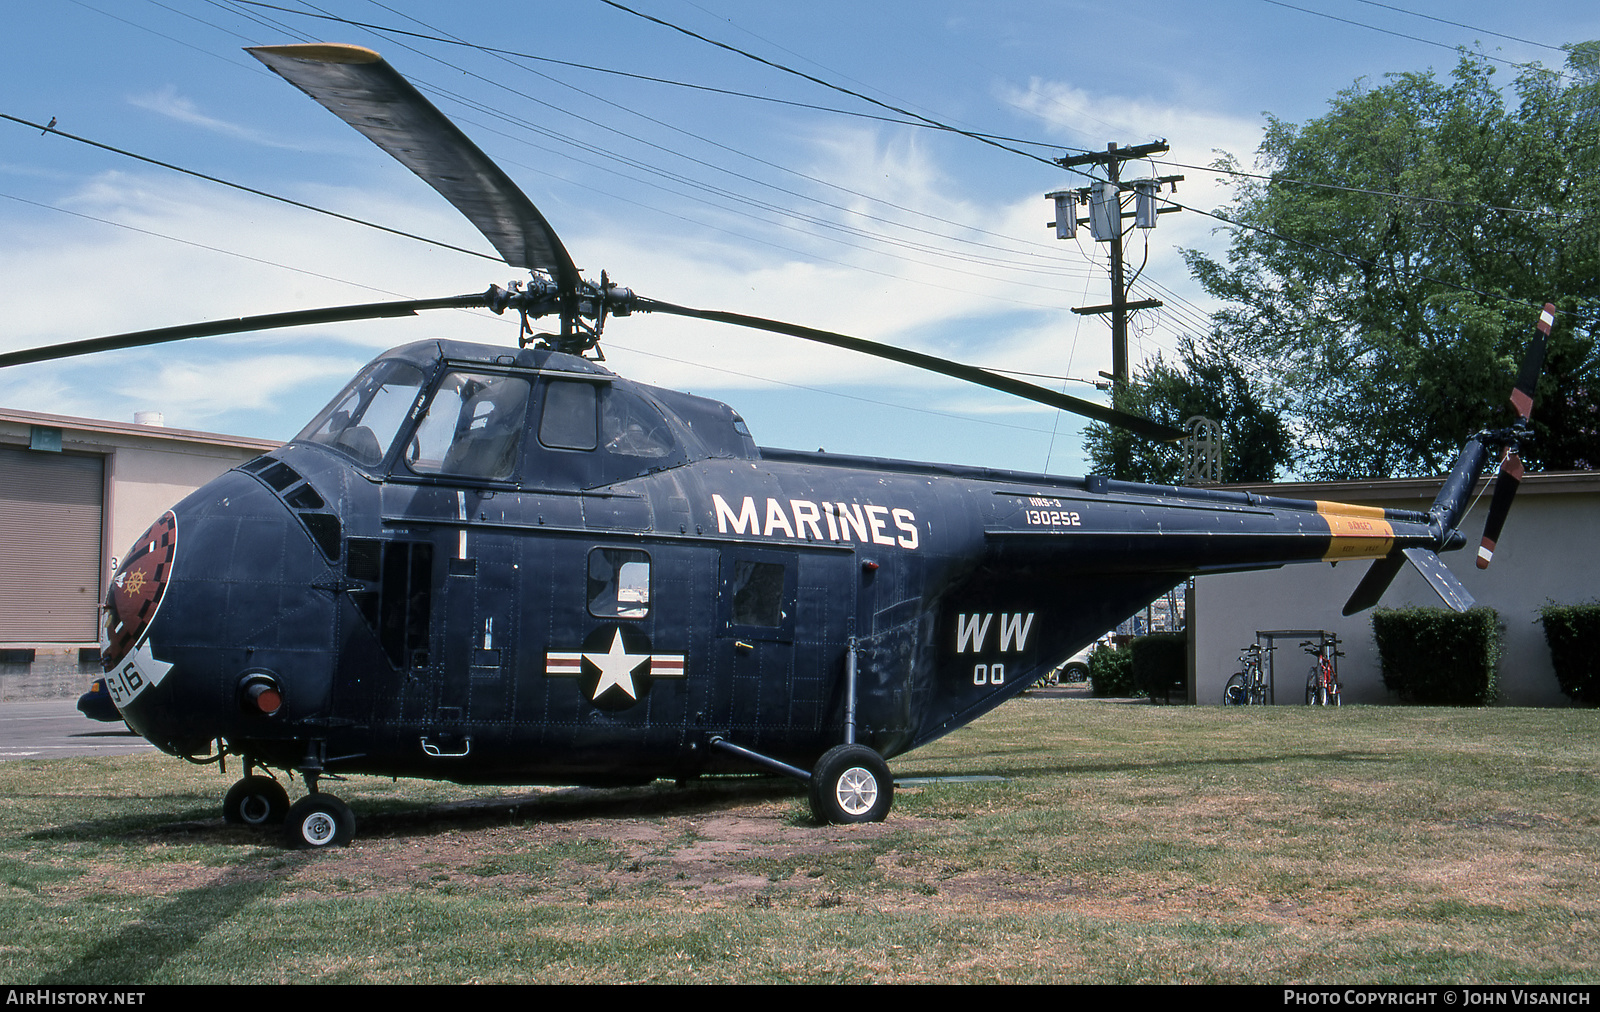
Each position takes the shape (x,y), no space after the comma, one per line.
(1111,672)
(1573,632)
(1145,666)
(1435,657)
(1160,662)
(1206,381)
(1389,278)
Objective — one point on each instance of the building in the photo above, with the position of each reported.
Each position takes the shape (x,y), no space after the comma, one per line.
(74,494)
(1548,553)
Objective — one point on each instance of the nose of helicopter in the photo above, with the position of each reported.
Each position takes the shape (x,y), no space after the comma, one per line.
(213,626)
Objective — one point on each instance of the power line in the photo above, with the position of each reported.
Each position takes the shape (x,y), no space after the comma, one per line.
(1458,24)
(676,152)
(245,189)
(1172,203)
(1283,180)
(898,120)
(819,81)
(1385,31)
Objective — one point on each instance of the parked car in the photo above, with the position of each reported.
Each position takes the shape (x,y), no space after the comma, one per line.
(1073,669)
(1076,668)
(96,704)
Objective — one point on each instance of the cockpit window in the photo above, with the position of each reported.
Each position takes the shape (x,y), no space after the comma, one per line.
(473,427)
(633,427)
(362,421)
(569,416)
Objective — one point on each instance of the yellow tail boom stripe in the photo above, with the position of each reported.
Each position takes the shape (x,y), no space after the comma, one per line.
(1355,532)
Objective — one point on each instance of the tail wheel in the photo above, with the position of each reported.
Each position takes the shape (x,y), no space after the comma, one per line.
(851,784)
(255,801)
(318,821)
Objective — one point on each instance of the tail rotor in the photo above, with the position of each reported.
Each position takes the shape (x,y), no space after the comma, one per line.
(1511,470)
(1455,495)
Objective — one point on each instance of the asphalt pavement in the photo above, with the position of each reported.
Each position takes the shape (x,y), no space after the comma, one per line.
(55,729)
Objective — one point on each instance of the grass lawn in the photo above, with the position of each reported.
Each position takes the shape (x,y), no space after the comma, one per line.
(1125,843)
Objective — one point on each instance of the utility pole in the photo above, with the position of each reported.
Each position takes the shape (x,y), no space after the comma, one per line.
(1105,225)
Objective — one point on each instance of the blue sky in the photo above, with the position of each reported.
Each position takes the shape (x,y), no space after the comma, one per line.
(846,222)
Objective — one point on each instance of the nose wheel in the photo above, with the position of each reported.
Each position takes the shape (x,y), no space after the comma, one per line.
(851,784)
(255,801)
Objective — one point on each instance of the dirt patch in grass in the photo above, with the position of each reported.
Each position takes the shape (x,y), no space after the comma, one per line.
(719,859)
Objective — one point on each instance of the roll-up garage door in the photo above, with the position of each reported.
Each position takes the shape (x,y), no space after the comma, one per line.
(50,572)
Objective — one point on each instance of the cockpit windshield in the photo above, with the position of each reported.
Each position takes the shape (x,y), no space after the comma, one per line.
(473,428)
(362,421)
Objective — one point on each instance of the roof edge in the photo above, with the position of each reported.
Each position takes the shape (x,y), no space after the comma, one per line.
(1545,482)
(98,425)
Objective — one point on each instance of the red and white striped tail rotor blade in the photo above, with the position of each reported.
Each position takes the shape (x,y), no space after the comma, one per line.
(1505,489)
(1533,364)
(1505,486)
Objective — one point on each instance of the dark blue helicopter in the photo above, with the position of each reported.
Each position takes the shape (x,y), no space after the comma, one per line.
(495,566)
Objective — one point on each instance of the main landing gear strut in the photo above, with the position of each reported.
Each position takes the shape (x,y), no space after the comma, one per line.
(851,782)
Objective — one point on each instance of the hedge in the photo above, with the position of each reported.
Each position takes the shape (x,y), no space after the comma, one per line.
(1111,672)
(1573,632)
(1160,661)
(1146,666)
(1435,657)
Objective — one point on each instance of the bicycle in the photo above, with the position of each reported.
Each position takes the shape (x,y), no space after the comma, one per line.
(1247,687)
(1322,685)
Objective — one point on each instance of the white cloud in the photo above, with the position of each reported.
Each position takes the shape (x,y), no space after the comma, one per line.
(167,102)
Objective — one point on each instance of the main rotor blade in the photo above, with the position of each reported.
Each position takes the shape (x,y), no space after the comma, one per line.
(972,374)
(271,321)
(356,85)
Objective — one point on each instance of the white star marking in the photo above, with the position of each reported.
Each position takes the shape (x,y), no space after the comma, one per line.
(616,667)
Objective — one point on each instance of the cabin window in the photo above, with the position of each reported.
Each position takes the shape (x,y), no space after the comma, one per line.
(473,428)
(619,583)
(569,416)
(362,421)
(757,589)
(757,594)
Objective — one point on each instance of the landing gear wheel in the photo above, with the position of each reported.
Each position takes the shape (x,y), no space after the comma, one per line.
(318,821)
(851,784)
(255,801)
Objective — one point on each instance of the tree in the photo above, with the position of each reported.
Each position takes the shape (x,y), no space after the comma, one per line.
(1205,382)
(1390,269)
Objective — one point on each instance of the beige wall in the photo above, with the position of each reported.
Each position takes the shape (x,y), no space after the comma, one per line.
(142,482)
(148,468)
(1549,551)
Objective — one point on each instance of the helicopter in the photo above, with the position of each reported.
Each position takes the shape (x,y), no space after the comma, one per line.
(514,566)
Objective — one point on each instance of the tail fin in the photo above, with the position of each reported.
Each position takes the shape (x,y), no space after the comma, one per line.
(1427,562)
